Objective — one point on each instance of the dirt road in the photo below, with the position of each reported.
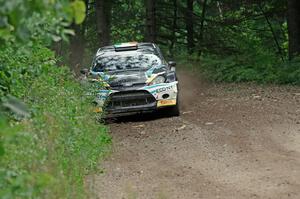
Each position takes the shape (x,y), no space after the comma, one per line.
(231,141)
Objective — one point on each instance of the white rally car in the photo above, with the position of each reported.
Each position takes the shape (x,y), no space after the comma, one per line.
(137,79)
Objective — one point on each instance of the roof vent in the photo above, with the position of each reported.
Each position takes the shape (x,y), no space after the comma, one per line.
(126,46)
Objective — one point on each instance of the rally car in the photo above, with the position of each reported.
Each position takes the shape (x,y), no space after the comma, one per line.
(136,79)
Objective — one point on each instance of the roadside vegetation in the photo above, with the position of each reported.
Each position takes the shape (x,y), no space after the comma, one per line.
(49,137)
(262,70)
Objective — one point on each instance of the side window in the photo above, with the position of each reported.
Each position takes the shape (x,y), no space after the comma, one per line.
(93,62)
(160,55)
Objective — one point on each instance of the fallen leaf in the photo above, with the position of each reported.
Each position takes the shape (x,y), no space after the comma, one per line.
(186,112)
(181,128)
(139,126)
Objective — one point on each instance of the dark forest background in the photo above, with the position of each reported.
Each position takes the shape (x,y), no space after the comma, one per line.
(243,40)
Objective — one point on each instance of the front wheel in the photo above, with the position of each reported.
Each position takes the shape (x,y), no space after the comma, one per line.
(173,110)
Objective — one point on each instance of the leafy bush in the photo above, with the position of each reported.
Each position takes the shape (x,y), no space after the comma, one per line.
(257,67)
(48,155)
(48,147)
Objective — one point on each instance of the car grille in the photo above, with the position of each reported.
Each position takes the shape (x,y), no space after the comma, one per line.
(127,99)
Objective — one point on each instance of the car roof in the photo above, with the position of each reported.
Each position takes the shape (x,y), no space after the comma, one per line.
(123,53)
(143,48)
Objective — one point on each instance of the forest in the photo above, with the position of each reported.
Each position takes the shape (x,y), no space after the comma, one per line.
(234,41)
(50,140)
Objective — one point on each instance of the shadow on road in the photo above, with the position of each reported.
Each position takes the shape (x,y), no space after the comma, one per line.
(138,117)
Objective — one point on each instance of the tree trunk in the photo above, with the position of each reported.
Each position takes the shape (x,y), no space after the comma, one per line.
(103,21)
(201,35)
(273,32)
(174,27)
(220,9)
(190,26)
(77,44)
(76,48)
(151,31)
(294,27)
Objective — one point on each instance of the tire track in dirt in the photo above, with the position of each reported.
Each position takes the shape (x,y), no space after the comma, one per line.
(232,141)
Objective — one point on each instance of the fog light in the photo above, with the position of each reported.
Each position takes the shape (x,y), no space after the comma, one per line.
(165,96)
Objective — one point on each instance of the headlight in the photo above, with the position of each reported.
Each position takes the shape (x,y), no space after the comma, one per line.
(158,80)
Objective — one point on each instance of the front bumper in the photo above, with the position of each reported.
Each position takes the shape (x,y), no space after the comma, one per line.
(142,100)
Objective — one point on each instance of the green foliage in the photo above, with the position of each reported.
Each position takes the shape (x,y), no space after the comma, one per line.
(245,50)
(127,21)
(48,155)
(79,10)
(24,20)
(49,137)
(261,68)
(21,64)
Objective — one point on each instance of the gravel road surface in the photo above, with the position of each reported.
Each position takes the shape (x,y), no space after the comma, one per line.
(231,141)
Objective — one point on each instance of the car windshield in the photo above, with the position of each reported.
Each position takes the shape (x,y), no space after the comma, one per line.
(125,62)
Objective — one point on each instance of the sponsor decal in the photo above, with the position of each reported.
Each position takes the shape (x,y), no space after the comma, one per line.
(151,78)
(104,91)
(163,89)
(161,103)
(98,110)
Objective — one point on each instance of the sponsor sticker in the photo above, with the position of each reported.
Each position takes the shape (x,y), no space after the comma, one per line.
(163,89)
(161,103)
(98,110)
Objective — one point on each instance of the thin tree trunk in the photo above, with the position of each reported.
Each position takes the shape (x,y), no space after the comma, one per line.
(294,27)
(201,35)
(76,48)
(151,26)
(220,10)
(103,21)
(174,27)
(273,33)
(77,44)
(189,20)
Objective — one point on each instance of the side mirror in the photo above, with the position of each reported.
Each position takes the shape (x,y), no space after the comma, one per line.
(172,63)
(84,71)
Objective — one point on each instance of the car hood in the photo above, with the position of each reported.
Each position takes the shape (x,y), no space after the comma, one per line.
(127,78)
(119,80)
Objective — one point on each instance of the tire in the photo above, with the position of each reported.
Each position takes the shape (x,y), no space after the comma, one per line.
(174,110)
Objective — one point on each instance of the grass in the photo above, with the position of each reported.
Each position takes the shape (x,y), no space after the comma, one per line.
(48,154)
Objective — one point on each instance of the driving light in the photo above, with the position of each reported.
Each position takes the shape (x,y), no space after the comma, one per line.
(158,80)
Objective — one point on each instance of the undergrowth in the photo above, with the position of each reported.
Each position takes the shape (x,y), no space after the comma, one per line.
(49,153)
(260,68)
